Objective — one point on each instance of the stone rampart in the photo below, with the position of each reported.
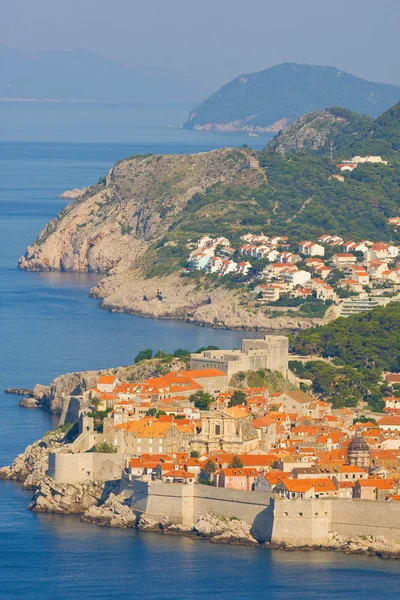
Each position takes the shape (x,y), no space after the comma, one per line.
(65,467)
(186,503)
(295,522)
(351,518)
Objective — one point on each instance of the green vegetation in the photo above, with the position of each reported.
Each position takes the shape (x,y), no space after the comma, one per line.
(342,386)
(194,454)
(201,400)
(98,416)
(362,346)
(370,340)
(143,355)
(236,463)
(272,380)
(237,397)
(105,447)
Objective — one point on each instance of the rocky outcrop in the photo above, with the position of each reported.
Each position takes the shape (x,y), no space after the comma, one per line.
(29,403)
(112,223)
(19,391)
(214,307)
(72,194)
(210,527)
(368,545)
(114,512)
(62,498)
(30,467)
(224,531)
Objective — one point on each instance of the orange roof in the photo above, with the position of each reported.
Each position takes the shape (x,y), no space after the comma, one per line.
(201,373)
(232,472)
(106,379)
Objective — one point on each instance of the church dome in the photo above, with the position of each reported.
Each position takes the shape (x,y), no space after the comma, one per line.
(358,444)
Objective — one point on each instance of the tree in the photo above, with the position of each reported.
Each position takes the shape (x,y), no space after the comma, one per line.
(95,402)
(105,448)
(143,355)
(238,397)
(201,400)
(236,463)
(152,412)
(204,348)
(209,467)
(181,352)
(194,454)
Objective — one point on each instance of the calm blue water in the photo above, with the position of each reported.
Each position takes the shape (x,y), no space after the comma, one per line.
(48,325)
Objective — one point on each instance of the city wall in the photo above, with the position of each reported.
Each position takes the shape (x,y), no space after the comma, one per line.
(186,503)
(295,522)
(66,467)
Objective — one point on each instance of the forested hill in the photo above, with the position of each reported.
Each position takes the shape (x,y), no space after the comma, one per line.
(344,132)
(271,99)
(370,339)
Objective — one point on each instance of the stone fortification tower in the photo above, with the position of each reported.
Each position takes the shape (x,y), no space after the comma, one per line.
(358,453)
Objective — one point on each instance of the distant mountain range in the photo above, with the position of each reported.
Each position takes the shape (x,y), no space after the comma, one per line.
(270,100)
(83,75)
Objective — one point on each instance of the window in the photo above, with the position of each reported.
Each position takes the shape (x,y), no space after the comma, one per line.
(286,514)
(300,514)
(218,430)
(241,483)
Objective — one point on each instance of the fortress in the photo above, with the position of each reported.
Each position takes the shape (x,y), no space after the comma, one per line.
(270,352)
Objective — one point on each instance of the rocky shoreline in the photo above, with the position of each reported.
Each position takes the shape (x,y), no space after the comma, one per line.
(102,504)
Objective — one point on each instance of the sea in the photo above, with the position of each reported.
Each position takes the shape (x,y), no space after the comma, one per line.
(49,326)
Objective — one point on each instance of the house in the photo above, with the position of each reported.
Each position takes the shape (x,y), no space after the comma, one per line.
(237,478)
(342,259)
(293,278)
(392,378)
(254,163)
(297,402)
(389,423)
(368,159)
(107,383)
(357,273)
(373,488)
(311,249)
(266,430)
(375,268)
(150,436)
(228,266)
(306,488)
(214,264)
(382,251)
(351,285)
(269,292)
(346,166)
(323,290)
(199,260)
(243,267)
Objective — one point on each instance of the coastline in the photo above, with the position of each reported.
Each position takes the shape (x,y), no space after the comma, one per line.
(104,504)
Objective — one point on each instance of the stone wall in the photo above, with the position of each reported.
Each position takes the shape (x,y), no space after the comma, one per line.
(295,522)
(65,467)
(352,518)
(186,503)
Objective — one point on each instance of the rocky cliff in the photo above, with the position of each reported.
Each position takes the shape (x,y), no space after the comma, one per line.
(138,227)
(112,223)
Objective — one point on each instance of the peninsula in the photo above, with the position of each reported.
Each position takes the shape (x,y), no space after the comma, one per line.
(292,236)
(222,445)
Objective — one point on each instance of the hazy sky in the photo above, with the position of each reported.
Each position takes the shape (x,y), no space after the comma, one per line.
(212,41)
